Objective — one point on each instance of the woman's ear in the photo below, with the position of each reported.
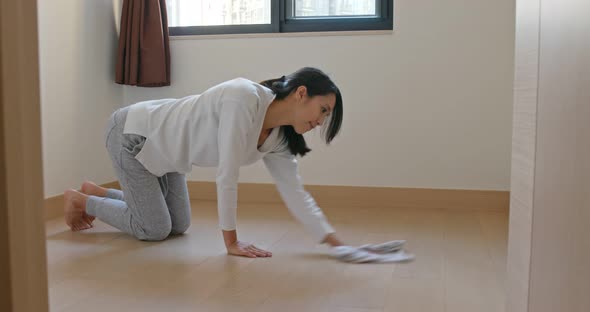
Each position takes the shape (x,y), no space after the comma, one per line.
(301,91)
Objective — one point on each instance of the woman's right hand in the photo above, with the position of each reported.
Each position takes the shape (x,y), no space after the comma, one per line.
(246,250)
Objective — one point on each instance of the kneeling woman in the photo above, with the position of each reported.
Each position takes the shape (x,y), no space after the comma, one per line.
(153,144)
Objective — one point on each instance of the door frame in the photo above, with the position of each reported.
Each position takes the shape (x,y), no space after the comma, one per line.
(23,259)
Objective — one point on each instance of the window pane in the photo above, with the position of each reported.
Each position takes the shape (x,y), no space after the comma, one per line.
(309,8)
(217,12)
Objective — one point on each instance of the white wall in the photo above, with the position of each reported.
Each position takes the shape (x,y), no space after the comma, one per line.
(427,106)
(77,43)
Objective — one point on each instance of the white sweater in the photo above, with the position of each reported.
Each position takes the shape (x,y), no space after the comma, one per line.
(220,128)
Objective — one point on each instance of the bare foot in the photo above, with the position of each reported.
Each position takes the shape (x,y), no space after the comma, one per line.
(90,188)
(75,211)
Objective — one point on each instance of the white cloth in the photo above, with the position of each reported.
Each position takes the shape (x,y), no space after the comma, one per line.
(220,128)
(386,247)
(356,255)
(388,252)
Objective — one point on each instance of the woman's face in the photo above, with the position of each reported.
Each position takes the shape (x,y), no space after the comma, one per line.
(312,111)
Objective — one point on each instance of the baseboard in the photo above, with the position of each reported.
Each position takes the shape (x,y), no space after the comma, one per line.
(355,196)
(361,196)
(54,206)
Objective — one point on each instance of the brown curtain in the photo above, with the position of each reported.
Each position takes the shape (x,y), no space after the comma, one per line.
(144,48)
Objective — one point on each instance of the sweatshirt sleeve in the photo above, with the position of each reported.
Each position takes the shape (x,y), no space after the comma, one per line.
(284,170)
(236,117)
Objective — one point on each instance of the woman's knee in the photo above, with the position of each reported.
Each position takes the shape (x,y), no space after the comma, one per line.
(153,232)
(180,227)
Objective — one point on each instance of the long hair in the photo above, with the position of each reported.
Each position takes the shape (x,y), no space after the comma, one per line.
(317,83)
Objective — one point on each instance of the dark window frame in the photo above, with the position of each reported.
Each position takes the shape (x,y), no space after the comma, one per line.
(280,22)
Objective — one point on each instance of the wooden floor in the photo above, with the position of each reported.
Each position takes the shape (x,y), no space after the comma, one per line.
(460,264)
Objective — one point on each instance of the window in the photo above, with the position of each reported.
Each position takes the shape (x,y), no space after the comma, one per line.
(201,17)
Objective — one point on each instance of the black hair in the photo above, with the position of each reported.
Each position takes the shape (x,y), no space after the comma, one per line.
(317,83)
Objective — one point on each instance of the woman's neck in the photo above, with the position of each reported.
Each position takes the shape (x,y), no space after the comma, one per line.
(279,113)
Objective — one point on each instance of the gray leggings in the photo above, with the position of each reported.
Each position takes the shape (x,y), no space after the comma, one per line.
(148,207)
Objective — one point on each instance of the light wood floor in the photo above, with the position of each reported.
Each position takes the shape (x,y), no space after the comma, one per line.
(460,264)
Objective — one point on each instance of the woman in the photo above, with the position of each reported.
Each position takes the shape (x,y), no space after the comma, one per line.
(153,144)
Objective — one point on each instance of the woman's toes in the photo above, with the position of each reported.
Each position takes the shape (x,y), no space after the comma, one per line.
(80,226)
(88,219)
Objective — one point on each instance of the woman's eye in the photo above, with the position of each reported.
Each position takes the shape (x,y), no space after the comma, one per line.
(324,110)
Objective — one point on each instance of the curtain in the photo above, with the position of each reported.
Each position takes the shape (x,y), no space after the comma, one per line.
(143,57)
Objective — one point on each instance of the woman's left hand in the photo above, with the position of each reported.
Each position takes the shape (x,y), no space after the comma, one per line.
(247,250)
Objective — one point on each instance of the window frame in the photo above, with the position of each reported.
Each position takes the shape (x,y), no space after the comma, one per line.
(281,23)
